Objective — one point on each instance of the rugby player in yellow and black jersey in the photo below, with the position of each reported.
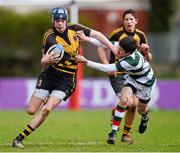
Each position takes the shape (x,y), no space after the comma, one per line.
(67,67)
(58,79)
(117,78)
(138,35)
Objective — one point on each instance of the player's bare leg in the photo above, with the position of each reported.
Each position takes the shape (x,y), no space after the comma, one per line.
(42,115)
(126,98)
(129,118)
(36,121)
(34,105)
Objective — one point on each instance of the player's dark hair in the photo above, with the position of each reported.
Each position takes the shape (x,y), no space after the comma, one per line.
(128,44)
(130,11)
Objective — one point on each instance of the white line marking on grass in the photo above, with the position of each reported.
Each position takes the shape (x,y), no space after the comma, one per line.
(63,143)
(69,143)
(89,143)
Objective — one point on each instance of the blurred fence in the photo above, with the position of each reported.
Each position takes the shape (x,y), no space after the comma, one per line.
(165,47)
(96,93)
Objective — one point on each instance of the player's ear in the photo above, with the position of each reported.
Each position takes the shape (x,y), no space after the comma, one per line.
(137,20)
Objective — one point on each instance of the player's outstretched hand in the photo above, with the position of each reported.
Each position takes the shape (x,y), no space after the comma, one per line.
(144,47)
(82,36)
(80,59)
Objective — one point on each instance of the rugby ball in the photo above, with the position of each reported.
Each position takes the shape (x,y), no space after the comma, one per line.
(57,49)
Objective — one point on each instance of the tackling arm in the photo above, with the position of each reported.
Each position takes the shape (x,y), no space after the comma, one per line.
(97,66)
(104,40)
(101,48)
(102,67)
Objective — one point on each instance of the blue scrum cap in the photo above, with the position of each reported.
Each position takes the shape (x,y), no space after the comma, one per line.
(59,13)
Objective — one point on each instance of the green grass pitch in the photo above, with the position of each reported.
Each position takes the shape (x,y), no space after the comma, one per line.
(86,131)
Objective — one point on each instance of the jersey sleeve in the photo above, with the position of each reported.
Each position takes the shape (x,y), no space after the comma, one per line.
(78,27)
(96,42)
(143,38)
(115,34)
(102,67)
(48,41)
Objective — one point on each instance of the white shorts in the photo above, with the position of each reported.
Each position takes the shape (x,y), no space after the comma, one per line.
(143,92)
(40,93)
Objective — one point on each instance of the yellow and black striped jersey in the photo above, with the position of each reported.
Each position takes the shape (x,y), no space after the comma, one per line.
(121,33)
(70,42)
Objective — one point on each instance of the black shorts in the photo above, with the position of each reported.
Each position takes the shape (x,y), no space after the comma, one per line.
(64,82)
(117,82)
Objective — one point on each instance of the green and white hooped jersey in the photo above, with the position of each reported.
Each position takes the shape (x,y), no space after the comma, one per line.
(137,68)
(115,43)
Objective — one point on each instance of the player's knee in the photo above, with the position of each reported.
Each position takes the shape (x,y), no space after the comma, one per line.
(142,110)
(31,112)
(125,101)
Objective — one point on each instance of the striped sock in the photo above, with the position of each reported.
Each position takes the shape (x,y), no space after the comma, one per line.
(126,129)
(145,116)
(112,115)
(118,115)
(27,131)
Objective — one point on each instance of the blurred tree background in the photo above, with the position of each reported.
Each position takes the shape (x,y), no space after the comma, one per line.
(20,42)
(161,15)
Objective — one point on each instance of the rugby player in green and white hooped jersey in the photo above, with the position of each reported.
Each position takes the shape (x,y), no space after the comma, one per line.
(127,28)
(139,82)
